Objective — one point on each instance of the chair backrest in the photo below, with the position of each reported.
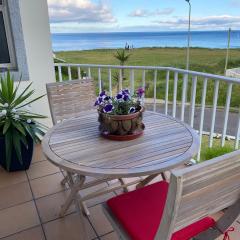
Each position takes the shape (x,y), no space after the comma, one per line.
(199,191)
(68,99)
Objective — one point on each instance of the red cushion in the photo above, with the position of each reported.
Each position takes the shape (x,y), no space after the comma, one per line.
(140,213)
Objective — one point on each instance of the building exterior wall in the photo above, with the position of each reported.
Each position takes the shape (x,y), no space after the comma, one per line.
(38,47)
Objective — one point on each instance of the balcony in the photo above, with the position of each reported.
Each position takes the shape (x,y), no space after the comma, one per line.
(33,198)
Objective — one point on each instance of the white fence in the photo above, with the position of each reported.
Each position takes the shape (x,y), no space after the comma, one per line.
(181,90)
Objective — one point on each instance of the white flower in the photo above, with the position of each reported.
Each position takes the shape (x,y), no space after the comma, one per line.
(16,116)
(14,110)
(5,105)
(29,121)
(4,112)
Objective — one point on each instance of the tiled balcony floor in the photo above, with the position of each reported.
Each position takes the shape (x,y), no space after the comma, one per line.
(30,202)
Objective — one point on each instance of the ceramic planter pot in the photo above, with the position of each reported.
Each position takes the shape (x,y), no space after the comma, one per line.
(15,164)
(121,127)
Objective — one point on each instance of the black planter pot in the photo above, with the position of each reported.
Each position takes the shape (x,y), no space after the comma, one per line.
(15,164)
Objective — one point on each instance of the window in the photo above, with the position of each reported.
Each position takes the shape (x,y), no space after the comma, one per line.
(7,52)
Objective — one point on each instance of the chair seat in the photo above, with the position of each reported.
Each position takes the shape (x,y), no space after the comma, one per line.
(140,212)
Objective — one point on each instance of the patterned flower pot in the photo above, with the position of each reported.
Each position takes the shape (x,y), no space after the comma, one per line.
(121,127)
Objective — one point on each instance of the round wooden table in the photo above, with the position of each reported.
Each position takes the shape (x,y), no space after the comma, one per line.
(76,146)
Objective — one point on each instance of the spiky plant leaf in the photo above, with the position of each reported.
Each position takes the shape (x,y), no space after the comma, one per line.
(8,147)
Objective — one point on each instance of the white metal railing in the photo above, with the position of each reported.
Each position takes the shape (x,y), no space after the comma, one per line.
(180,100)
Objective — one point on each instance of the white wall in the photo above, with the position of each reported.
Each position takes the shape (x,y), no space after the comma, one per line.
(37,38)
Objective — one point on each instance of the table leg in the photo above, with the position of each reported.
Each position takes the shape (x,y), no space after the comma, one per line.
(125,189)
(148,179)
(75,187)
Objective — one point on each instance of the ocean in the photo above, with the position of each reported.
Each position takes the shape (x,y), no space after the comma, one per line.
(87,41)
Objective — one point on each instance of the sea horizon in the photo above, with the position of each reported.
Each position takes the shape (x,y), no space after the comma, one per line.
(114,40)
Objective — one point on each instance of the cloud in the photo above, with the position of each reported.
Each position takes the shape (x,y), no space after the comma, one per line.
(211,22)
(82,11)
(147,13)
(139,13)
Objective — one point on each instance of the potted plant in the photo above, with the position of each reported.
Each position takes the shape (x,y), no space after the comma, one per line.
(18,128)
(120,117)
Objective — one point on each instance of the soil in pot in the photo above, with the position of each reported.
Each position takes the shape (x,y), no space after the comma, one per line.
(15,163)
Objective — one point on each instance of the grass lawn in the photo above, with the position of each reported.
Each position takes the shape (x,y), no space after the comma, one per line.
(203,60)
(209,153)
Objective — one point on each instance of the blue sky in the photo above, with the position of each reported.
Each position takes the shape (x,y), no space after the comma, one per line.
(142,15)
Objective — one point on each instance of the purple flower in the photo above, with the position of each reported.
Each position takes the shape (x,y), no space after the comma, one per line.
(103,93)
(106,98)
(125,92)
(119,96)
(126,98)
(132,109)
(108,108)
(96,103)
(140,92)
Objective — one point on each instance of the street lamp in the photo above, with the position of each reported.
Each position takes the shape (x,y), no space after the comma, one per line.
(189,34)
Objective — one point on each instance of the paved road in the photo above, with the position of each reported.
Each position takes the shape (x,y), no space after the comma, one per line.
(232,121)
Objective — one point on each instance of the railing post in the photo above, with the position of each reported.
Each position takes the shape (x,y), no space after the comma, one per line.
(69,73)
(60,73)
(89,72)
(184,95)
(166,92)
(202,114)
(144,84)
(226,113)
(99,80)
(193,100)
(79,73)
(215,100)
(175,93)
(237,133)
(132,81)
(155,91)
(120,79)
(110,81)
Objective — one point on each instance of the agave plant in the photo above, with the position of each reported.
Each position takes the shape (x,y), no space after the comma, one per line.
(17,122)
(122,56)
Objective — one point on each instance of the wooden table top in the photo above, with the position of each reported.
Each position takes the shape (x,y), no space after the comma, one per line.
(75,145)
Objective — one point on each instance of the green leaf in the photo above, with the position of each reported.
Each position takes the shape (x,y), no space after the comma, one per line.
(19,127)
(17,146)
(2,98)
(10,86)
(30,132)
(24,141)
(16,89)
(34,100)
(6,126)
(4,89)
(22,98)
(8,148)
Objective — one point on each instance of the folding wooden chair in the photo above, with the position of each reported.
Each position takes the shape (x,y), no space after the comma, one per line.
(70,98)
(181,209)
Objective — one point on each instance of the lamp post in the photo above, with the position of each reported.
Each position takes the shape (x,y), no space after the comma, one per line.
(189,33)
(228,47)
